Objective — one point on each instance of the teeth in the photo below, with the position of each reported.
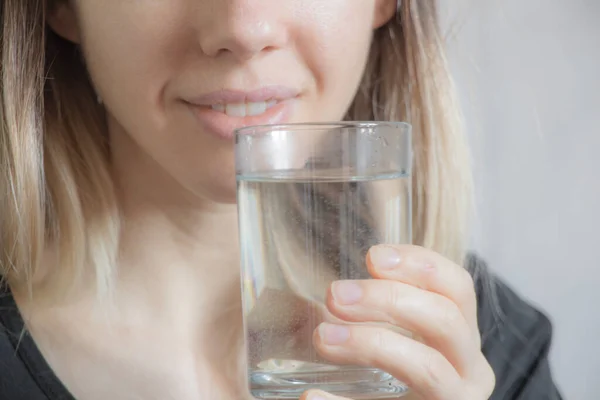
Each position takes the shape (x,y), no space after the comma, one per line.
(244,109)
(235,110)
(253,109)
(219,107)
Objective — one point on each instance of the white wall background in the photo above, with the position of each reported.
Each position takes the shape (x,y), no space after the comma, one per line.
(529,76)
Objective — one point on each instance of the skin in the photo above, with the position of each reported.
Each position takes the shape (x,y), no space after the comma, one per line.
(176,185)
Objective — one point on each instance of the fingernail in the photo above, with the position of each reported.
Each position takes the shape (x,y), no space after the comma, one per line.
(384,257)
(334,334)
(347,293)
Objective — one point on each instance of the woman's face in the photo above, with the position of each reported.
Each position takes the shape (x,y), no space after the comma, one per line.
(177,76)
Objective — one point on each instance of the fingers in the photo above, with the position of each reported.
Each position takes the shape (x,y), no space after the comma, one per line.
(434,318)
(425,370)
(427,270)
(420,291)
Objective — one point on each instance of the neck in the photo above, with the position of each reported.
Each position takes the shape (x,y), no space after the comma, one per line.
(177,276)
(179,252)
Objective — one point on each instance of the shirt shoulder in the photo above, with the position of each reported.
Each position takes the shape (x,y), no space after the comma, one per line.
(18,371)
(516,338)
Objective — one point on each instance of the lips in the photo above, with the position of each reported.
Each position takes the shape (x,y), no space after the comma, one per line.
(220,113)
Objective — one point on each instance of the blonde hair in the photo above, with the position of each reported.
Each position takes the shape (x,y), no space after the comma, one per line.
(57,191)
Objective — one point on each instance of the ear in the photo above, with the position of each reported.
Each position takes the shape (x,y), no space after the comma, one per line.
(62,19)
(385,10)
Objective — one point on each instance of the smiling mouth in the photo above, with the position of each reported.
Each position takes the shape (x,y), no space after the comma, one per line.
(224,111)
(245,104)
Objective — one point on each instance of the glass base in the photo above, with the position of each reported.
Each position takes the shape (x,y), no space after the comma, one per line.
(351,382)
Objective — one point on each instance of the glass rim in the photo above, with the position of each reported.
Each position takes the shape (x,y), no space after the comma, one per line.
(254,130)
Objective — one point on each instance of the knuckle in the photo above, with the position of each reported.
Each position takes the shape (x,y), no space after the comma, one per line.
(467,284)
(380,339)
(451,318)
(485,381)
(373,342)
(465,290)
(434,372)
(394,296)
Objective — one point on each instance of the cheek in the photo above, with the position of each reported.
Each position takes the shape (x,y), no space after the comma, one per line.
(129,53)
(335,44)
(131,65)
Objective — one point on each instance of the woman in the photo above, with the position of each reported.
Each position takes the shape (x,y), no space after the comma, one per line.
(118,207)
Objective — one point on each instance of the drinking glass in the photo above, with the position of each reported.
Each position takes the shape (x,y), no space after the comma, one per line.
(312,200)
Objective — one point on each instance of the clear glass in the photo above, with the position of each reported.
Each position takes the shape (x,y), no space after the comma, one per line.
(312,200)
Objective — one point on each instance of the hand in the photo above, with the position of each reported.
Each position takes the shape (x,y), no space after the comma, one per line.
(426,294)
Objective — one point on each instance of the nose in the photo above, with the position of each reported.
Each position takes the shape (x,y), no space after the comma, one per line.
(244,29)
